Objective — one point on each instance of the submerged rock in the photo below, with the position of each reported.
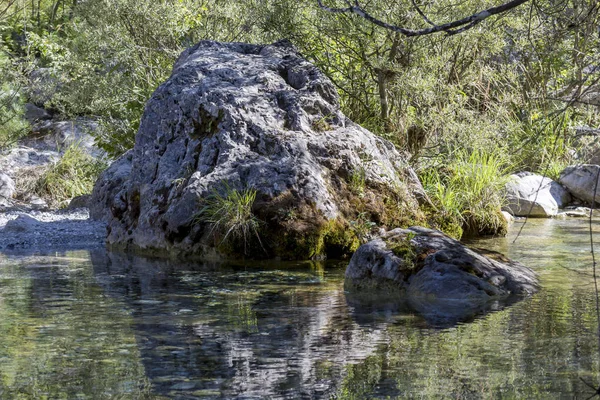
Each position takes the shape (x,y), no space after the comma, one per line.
(581,181)
(531,195)
(237,119)
(577,212)
(424,263)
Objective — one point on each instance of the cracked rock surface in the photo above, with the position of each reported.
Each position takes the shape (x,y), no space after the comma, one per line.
(248,116)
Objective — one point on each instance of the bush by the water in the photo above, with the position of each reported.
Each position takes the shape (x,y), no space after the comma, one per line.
(74,174)
(468,193)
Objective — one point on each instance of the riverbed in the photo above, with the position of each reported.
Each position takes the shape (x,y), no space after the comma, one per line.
(88,324)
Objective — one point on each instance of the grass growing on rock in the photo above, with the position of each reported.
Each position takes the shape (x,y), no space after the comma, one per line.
(357,181)
(403,248)
(74,174)
(230,216)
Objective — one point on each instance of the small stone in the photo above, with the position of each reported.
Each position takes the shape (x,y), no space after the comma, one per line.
(37,203)
(508,217)
(7,186)
(577,212)
(79,202)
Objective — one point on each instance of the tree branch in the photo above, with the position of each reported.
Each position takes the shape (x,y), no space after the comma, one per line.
(451,28)
(421,13)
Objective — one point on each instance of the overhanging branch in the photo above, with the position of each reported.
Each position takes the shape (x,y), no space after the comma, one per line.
(450,28)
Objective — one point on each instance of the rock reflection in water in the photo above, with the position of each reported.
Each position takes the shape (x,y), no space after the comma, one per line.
(124,327)
(431,312)
(231,331)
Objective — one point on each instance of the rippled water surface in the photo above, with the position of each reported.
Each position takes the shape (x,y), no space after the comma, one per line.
(104,326)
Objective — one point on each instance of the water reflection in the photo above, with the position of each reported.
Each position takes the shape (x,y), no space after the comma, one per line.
(59,334)
(231,331)
(433,313)
(96,325)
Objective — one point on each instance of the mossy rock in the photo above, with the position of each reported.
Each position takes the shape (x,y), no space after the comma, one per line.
(426,263)
(331,239)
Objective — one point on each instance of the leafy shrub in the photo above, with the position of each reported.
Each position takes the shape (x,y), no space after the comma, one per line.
(468,193)
(12,122)
(113,54)
(74,174)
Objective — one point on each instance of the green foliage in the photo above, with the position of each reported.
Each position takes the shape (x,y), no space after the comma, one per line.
(73,175)
(362,227)
(470,91)
(229,213)
(357,182)
(468,192)
(12,124)
(106,57)
(403,248)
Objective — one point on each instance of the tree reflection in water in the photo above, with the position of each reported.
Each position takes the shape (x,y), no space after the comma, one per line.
(108,326)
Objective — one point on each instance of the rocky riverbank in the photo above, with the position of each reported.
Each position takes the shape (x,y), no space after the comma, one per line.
(23,230)
(30,220)
(533,195)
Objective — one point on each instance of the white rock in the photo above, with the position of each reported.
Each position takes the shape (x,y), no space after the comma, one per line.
(7,186)
(531,195)
(581,181)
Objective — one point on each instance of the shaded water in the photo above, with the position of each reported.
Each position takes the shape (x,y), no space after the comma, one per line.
(103,326)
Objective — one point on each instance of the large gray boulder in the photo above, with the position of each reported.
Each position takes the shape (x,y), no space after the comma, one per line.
(34,114)
(532,195)
(581,181)
(235,117)
(105,201)
(424,263)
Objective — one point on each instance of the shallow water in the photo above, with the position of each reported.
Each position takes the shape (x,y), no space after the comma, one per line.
(91,325)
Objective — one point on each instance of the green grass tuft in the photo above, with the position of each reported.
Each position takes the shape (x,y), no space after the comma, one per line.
(468,193)
(229,212)
(74,174)
(358,181)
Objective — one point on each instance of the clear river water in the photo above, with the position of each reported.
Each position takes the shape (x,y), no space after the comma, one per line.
(97,325)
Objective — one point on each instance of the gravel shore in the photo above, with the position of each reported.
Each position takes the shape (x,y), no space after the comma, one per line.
(58,230)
